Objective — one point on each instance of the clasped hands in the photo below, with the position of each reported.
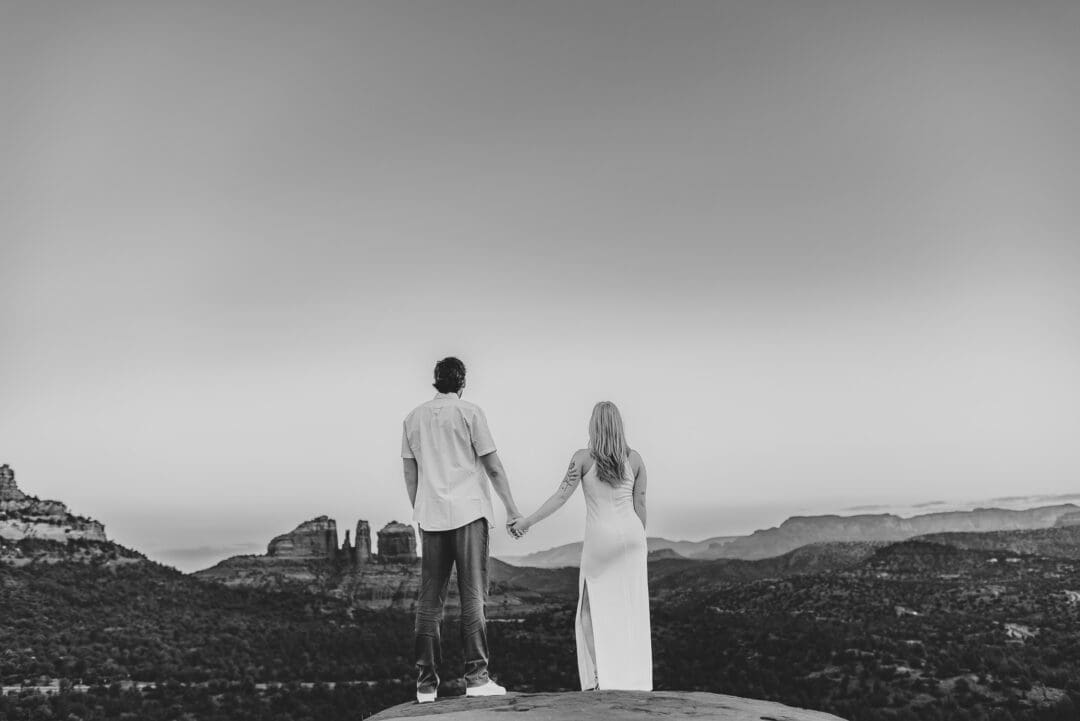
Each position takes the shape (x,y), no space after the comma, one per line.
(517,525)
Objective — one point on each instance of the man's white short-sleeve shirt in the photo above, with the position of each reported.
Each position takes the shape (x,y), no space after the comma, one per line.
(447,436)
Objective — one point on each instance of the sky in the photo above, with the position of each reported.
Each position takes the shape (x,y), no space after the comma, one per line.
(822,254)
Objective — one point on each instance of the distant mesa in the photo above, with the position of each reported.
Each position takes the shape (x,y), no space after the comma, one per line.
(310,557)
(27,517)
(799,531)
(397,543)
(318,539)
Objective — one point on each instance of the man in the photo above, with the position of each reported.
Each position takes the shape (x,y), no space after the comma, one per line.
(446,447)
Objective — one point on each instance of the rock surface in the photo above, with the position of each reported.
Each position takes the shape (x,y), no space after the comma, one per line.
(397,542)
(8,490)
(604,706)
(28,517)
(362,550)
(316,538)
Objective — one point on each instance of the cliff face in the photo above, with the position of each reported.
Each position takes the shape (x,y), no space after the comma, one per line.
(362,550)
(397,542)
(8,490)
(27,517)
(316,538)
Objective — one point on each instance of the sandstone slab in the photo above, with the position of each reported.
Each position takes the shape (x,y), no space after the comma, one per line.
(603,706)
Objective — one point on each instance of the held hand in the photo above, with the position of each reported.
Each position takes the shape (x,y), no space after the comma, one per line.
(511,519)
(517,528)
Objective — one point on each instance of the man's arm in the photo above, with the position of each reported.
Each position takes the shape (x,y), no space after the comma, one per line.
(412,478)
(408,459)
(500,483)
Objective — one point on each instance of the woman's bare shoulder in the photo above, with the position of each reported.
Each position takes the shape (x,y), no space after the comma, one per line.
(582,459)
(635,459)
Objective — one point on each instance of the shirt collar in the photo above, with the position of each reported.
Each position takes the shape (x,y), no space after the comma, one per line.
(446,396)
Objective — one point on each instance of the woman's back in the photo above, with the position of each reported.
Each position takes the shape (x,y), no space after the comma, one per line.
(614,646)
(602,497)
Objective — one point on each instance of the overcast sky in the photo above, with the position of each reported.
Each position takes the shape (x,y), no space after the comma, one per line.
(823,255)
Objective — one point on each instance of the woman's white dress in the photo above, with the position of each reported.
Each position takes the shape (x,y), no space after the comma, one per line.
(613,589)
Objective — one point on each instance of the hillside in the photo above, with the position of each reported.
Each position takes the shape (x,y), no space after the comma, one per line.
(1057,542)
(149,622)
(914,626)
(979,626)
(814,558)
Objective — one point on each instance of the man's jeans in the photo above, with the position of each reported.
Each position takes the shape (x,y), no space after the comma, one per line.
(467,548)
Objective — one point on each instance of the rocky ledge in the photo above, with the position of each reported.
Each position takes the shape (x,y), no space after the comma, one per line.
(28,517)
(604,706)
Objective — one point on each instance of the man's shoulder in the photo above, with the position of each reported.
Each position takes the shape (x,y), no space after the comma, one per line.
(418,409)
(468,406)
(468,409)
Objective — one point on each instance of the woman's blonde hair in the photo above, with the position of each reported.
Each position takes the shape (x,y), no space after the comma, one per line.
(607,442)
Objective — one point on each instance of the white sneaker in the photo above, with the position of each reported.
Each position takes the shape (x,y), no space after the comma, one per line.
(488,689)
(422,697)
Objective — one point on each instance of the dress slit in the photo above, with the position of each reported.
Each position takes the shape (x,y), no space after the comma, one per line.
(585,617)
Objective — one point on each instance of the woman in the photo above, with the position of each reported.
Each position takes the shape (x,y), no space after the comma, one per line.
(614,647)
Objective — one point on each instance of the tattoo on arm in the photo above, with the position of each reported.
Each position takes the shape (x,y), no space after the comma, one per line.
(569,482)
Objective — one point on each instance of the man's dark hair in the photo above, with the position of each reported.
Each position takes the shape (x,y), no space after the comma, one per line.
(449,375)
